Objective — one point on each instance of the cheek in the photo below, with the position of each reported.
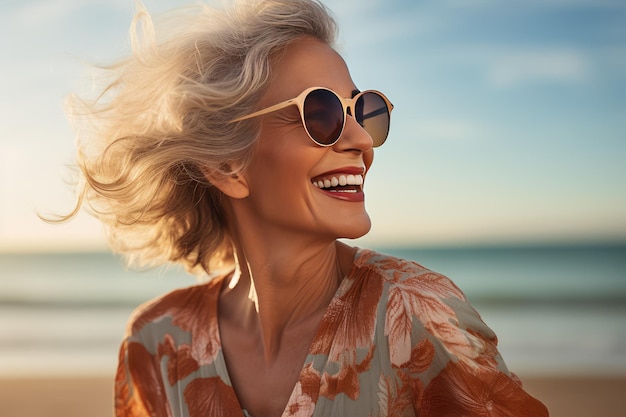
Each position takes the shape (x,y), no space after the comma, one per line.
(368,158)
(283,160)
(280,170)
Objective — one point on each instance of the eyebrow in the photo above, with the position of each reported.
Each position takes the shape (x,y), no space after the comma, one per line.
(355,92)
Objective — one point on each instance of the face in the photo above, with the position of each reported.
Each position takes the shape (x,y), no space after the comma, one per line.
(294,185)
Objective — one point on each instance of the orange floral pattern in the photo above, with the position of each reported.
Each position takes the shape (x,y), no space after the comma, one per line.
(211,397)
(396,340)
(462,390)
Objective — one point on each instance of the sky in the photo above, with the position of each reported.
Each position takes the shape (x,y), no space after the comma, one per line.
(509,123)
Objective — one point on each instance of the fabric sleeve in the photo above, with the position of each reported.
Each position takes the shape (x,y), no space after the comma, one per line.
(139,387)
(468,376)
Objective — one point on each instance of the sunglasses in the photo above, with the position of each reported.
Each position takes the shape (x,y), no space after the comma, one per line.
(324,113)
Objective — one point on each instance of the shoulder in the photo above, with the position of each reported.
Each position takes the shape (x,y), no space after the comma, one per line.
(420,307)
(175,306)
(404,276)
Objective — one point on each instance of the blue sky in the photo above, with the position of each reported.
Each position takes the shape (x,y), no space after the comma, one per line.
(509,123)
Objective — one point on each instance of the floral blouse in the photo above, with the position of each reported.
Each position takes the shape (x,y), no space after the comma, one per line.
(396,340)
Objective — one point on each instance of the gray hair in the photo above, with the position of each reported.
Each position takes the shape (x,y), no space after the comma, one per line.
(163,120)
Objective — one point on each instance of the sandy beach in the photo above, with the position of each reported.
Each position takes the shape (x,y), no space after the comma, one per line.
(92,396)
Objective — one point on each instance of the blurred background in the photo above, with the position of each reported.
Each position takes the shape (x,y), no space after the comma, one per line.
(504,170)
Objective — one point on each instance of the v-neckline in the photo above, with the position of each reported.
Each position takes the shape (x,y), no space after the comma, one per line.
(343,287)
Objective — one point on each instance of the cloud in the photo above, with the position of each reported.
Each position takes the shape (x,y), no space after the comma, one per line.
(515,68)
(537,4)
(375,22)
(34,14)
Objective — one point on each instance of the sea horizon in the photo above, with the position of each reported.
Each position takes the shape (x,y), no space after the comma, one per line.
(539,243)
(559,309)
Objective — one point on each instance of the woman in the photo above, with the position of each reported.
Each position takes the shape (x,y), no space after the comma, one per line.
(238,147)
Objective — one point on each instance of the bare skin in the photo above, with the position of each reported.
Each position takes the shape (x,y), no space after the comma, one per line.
(264,372)
(291,264)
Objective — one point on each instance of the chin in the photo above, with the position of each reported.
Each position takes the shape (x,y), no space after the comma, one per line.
(357,229)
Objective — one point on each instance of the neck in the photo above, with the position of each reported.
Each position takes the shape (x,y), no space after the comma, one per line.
(284,288)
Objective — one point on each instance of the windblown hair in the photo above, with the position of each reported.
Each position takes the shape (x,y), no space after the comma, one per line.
(162,122)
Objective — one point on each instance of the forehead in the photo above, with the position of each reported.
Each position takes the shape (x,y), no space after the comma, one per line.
(307,62)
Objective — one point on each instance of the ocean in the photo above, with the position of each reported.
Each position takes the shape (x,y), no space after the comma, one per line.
(557,310)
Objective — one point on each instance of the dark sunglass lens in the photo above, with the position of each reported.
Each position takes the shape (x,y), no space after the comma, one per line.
(372,113)
(323,116)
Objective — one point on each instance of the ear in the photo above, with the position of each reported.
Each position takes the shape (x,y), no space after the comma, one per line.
(232,184)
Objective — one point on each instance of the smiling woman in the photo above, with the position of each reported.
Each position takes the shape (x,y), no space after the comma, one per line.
(239,145)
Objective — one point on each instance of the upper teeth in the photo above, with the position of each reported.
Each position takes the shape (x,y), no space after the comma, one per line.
(340,180)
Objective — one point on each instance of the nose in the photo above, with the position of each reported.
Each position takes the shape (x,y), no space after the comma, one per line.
(354,137)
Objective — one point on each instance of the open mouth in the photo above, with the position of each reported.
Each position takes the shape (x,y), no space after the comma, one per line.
(340,183)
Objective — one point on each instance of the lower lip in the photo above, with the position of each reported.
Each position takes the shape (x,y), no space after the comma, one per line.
(357,197)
